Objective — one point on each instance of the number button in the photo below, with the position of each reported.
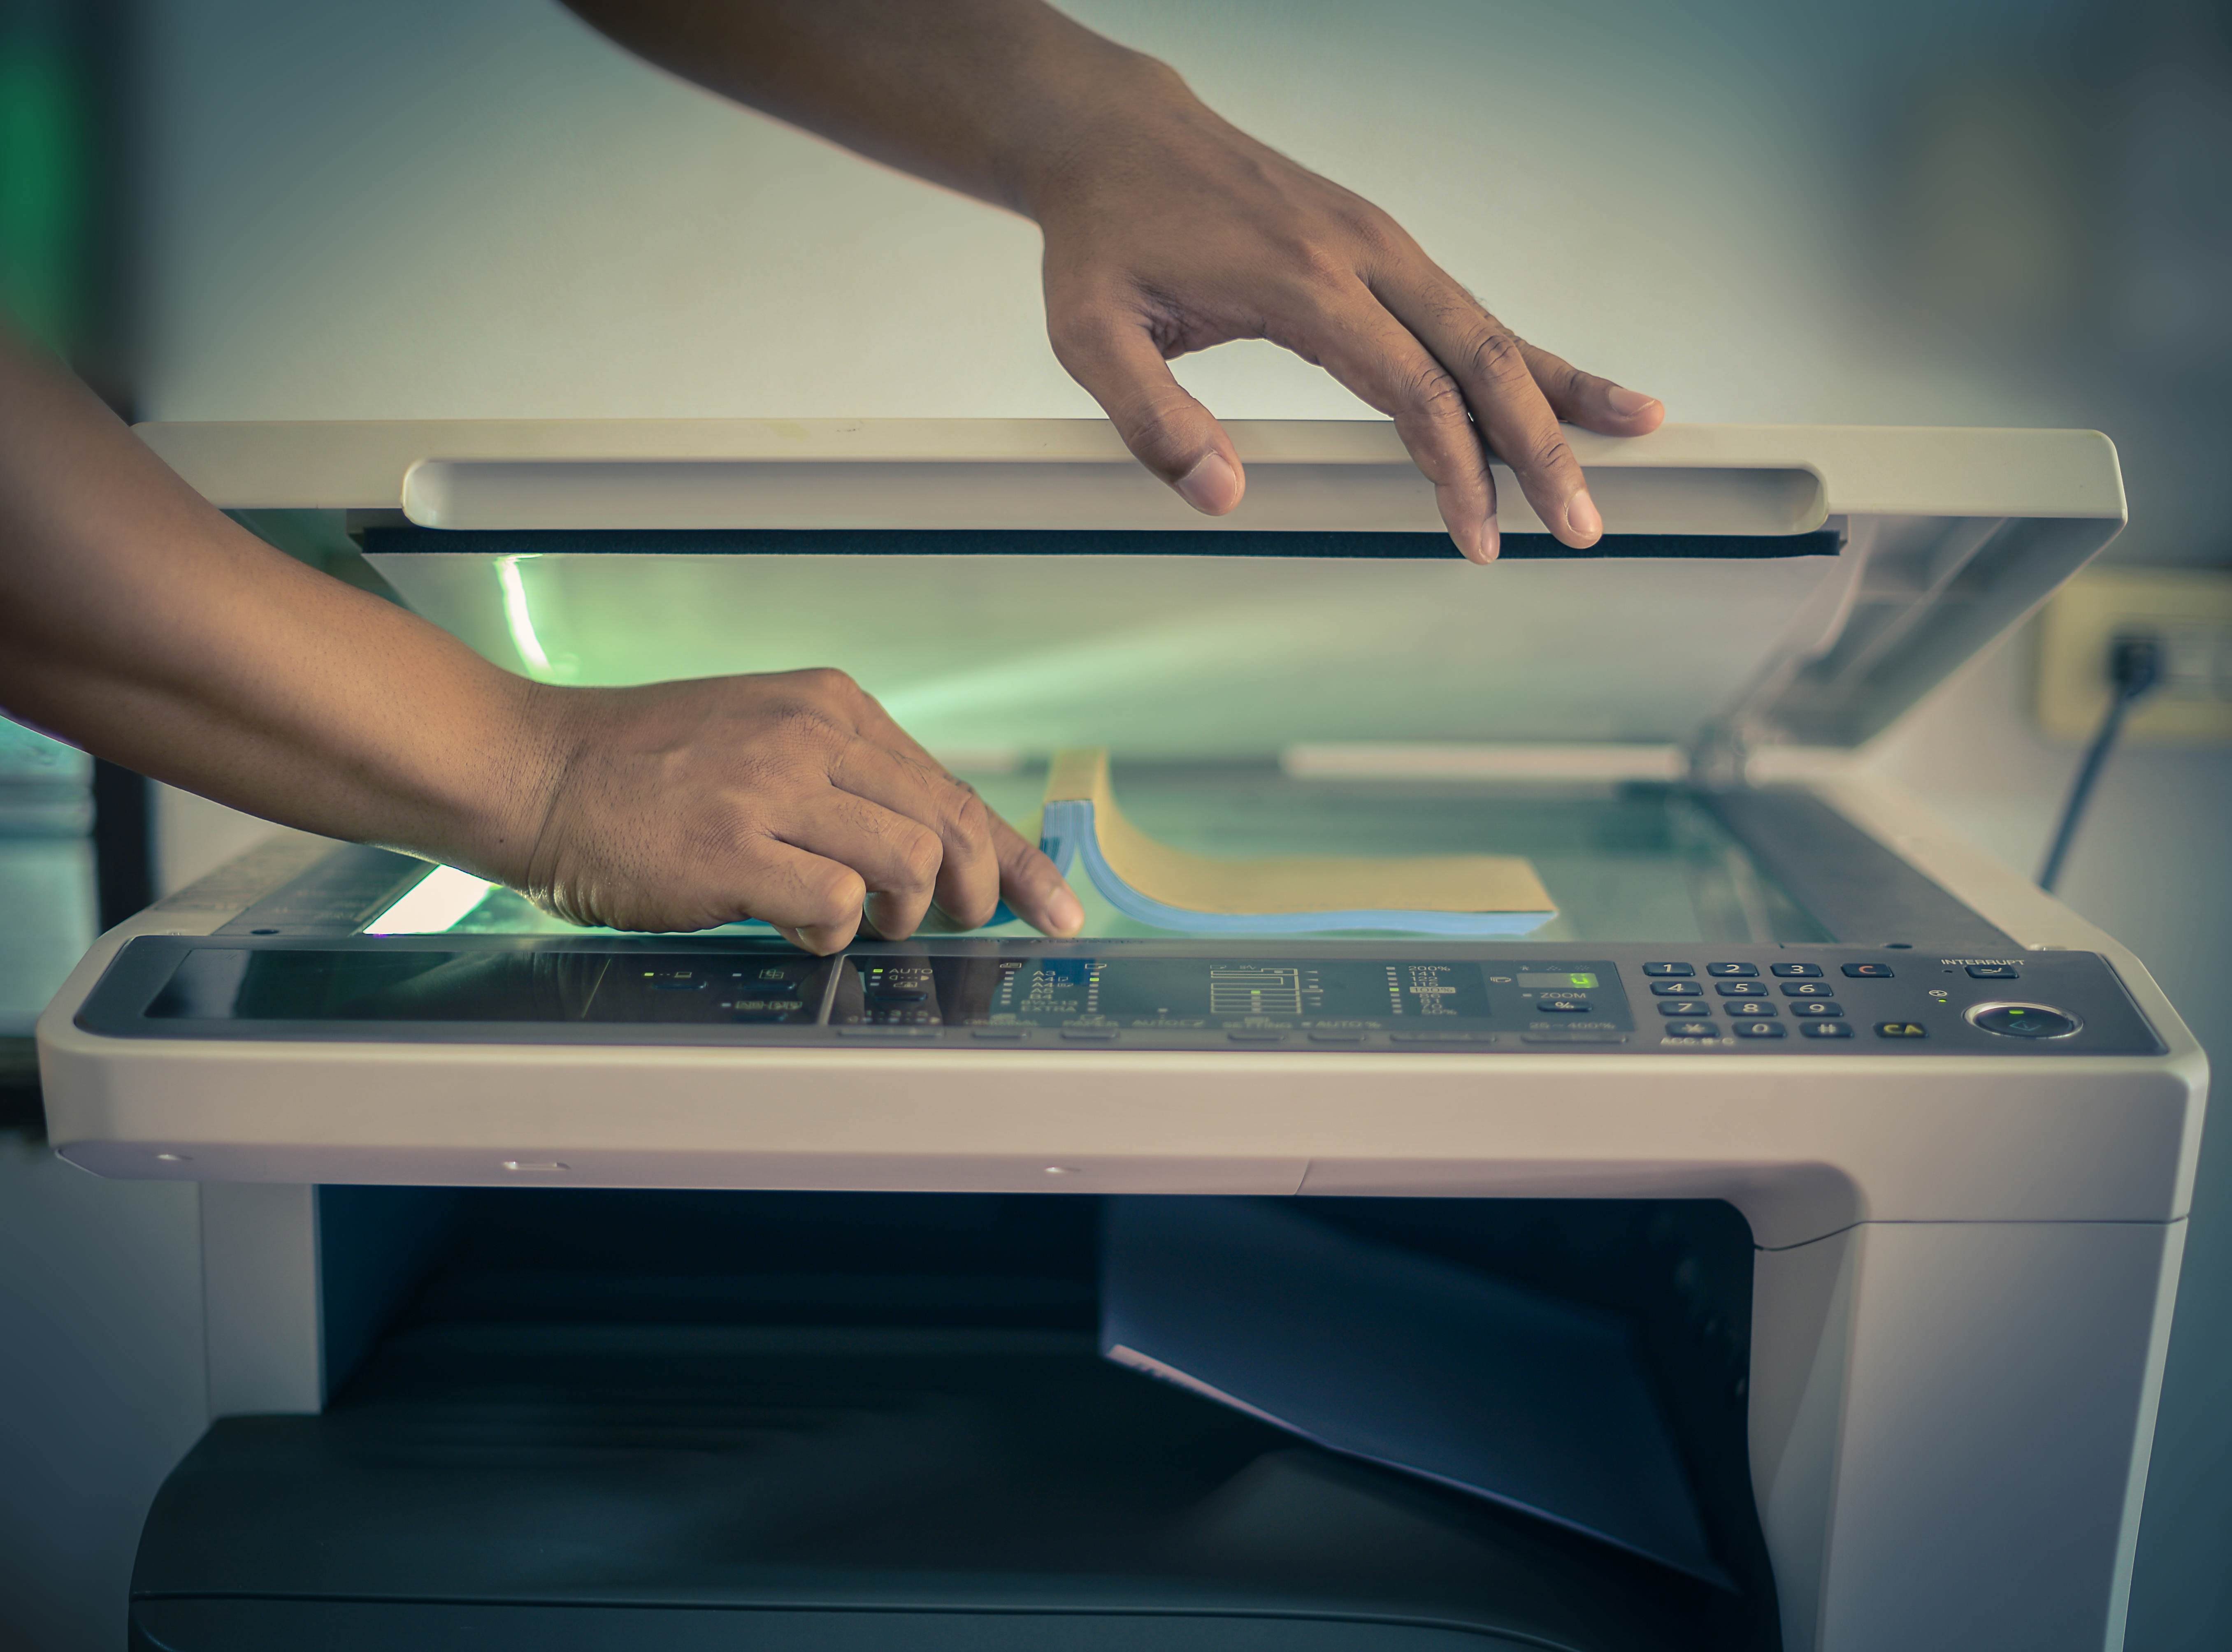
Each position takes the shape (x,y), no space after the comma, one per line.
(1739,989)
(1814,1009)
(1761,1029)
(1806,989)
(1676,988)
(1731,969)
(1795,971)
(1669,969)
(1751,1009)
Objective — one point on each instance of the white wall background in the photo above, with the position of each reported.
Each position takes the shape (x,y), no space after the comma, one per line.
(417,209)
(371,209)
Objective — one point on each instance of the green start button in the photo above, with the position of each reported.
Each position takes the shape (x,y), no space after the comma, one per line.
(2023,1021)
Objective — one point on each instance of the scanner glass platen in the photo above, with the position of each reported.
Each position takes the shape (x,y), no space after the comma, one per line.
(1620,861)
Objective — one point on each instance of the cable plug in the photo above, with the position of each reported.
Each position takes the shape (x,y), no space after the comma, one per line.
(2135,663)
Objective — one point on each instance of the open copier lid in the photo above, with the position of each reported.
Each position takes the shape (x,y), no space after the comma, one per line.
(1020,586)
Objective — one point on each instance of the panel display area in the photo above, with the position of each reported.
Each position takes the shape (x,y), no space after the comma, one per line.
(751,987)
(1391,996)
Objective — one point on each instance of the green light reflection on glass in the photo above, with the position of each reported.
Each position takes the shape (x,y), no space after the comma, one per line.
(518,619)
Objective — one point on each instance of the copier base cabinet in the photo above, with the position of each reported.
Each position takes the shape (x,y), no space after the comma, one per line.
(1950,1421)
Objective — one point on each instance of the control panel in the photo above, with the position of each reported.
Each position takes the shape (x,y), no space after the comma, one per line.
(1424,997)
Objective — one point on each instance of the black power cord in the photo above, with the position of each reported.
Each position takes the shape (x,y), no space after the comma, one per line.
(2135,666)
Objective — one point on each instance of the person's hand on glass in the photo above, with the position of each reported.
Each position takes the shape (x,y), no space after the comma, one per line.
(791,797)
(141,623)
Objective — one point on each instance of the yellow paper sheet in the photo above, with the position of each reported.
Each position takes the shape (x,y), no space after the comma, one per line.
(1290,883)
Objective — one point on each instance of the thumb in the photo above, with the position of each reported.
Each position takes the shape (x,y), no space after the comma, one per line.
(1170,433)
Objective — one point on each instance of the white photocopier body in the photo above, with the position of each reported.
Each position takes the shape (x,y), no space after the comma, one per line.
(1965,1244)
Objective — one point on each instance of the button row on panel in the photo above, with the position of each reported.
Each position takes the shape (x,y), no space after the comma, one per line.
(1754,1009)
(1869,971)
(1758,1029)
(1741,989)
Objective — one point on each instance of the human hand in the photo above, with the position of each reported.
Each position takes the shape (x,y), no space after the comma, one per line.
(1169,230)
(790,797)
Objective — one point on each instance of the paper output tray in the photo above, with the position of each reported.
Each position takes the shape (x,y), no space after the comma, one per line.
(769,1479)
(824,1423)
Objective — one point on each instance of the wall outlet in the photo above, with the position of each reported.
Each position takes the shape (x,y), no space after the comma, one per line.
(2189,610)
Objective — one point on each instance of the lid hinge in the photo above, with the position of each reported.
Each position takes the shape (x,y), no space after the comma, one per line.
(1718,754)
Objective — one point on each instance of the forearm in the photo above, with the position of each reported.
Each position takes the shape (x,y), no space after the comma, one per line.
(144,625)
(988,97)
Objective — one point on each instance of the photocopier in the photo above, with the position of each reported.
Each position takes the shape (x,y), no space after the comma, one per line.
(570,1289)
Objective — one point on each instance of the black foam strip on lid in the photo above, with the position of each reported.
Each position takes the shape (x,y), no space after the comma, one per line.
(1067,542)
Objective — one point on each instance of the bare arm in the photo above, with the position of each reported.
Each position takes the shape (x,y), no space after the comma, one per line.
(1167,230)
(142,624)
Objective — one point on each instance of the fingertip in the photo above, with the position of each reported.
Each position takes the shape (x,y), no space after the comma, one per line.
(1480,544)
(1584,525)
(1213,486)
(819,939)
(1035,892)
(1635,413)
(1063,912)
(883,918)
(822,939)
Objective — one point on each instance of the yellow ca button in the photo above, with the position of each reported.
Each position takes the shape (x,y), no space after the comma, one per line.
(1901,1029)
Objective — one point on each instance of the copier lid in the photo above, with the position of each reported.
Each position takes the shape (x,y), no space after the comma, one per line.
(1022,585)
